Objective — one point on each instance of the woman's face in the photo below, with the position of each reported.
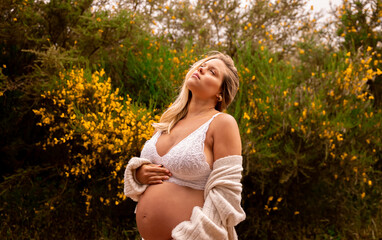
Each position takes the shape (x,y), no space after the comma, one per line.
(206,81)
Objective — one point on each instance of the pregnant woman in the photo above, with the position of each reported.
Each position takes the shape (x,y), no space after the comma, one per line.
(187,179)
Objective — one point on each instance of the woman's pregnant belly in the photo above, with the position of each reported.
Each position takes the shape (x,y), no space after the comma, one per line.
(163,206)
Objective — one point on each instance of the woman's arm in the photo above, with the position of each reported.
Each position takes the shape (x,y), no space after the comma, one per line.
(226,136)
(132,188)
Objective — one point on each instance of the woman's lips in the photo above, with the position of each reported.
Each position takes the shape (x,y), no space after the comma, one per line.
(196,75)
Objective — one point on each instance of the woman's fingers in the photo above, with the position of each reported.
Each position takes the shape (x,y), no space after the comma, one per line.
(155,182)
(152,174)
(157,179)
(159,169)
(164,177)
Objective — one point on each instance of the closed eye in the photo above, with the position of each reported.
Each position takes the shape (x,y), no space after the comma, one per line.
(211,70)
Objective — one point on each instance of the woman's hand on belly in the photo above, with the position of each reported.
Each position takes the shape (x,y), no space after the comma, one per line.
(152,174)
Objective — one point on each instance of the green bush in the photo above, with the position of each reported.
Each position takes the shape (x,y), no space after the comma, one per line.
(312,148)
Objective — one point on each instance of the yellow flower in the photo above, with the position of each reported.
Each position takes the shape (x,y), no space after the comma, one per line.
(302,51)
(363,195)
(4,66)
(176,60)
(296,212)
(15,19)
(339,137)
(102,72)
(369,48)
(270,60)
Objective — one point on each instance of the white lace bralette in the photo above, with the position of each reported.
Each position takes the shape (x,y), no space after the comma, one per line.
(186,160)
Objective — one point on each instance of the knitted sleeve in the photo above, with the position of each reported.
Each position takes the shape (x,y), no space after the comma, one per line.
(132,188)
(221,210)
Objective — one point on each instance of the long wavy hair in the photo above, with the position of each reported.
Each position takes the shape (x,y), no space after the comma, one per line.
(179,108)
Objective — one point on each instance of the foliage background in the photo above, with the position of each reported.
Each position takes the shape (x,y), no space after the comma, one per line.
(82,81)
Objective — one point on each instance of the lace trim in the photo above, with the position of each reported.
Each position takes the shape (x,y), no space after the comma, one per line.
(185,160)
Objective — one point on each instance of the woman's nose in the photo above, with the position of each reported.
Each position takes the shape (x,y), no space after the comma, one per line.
(201,69)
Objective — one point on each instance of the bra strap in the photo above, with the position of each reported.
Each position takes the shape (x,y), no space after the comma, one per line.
(205,129)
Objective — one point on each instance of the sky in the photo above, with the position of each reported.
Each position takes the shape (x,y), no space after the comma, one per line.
(323,5)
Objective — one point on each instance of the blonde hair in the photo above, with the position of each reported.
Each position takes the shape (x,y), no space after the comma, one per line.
(179,108)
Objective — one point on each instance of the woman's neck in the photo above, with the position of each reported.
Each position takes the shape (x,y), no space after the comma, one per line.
(200,108)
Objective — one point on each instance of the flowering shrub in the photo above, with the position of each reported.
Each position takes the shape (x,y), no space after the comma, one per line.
(100,129)
(304,139)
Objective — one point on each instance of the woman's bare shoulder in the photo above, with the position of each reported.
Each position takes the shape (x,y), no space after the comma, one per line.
(226,136)
(226,121)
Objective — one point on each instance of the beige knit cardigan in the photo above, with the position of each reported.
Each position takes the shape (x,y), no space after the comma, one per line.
(221,211)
